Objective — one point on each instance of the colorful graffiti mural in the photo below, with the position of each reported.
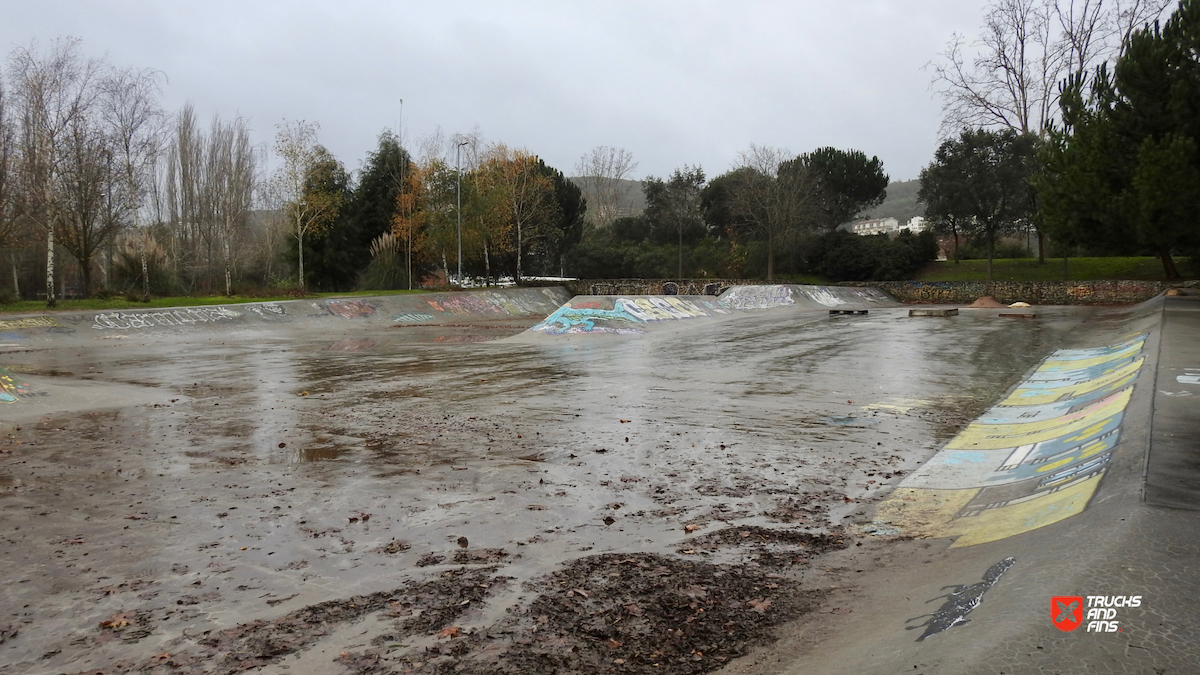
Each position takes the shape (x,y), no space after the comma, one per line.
(170,317)
(349,309)
(11,389)
(29,322)
(583,319)
(490,303)
(758,297)
(621,316)
(1032,460)
(662,309)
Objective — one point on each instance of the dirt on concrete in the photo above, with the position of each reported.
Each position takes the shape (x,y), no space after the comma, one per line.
(296,503)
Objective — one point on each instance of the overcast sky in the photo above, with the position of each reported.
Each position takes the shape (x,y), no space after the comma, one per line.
(673,82)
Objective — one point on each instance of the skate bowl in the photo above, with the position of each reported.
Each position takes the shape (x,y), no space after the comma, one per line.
(734,484)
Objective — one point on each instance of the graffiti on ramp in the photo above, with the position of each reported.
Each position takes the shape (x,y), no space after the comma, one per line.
(1032,460)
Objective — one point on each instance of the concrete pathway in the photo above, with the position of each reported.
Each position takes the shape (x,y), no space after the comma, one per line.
(1173,472)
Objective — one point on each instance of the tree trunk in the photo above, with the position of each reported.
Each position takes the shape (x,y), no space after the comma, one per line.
(517,277)
(145,272)
(991,252)
(85,273)
(50,300)
(957,257)
(680,271)
(1168,263)
(12,257)
(300,243)
(1041,240)
(228,275)
(770,257)
(487,266)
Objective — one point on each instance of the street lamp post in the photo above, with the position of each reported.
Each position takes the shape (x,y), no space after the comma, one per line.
(458,197)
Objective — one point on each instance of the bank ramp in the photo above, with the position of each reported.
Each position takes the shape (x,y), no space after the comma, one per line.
(634,314)
(1025,544)
(334,315)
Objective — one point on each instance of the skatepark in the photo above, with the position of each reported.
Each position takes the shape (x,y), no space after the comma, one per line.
(778,479)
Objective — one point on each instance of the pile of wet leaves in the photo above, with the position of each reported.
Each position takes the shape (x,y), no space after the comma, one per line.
(619,613)
(609,613)
(769,547)
(439,601)
(806,509)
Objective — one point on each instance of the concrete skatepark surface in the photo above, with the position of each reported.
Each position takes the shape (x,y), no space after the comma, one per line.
(450,482)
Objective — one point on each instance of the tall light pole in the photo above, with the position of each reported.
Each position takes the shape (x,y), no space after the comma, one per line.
(458,196)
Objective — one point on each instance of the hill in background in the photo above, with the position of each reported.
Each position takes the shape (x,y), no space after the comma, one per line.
(901,202)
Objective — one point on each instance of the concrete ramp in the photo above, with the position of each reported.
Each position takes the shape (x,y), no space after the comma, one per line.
(333,314)
(634,314)
(1025,545)
(805,297)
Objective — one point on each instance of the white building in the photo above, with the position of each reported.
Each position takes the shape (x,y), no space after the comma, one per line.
(875,226)
(888,226)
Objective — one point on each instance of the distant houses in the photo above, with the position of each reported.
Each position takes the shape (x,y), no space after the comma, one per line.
(889,226)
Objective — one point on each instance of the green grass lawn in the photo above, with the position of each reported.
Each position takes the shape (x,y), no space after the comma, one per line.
(39,306)
(1028,269)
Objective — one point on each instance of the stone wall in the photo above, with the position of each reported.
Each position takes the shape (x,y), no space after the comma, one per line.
(949,292)
(1033,292)
(659,286)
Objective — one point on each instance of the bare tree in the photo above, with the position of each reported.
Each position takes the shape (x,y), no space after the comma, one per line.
(232,172)
(599,174)
(1126,16)
(190,201)
(296,144)
(134,119)
(9,200)
(1008,77)
(92,213)
(52,92)
(774,195)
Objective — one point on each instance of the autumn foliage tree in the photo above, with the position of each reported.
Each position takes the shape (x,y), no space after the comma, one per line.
(303,180)
(521,198)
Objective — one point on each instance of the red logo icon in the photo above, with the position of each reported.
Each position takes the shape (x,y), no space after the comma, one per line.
(1066,611)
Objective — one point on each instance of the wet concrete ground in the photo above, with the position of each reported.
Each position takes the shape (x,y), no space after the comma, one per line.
(268,471)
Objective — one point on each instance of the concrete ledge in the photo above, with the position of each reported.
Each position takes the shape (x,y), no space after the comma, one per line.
(1033,292)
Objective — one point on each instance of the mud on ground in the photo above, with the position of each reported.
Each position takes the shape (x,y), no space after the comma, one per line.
(651,505)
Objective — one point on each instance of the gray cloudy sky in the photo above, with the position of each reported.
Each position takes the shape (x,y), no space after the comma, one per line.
(673,82)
